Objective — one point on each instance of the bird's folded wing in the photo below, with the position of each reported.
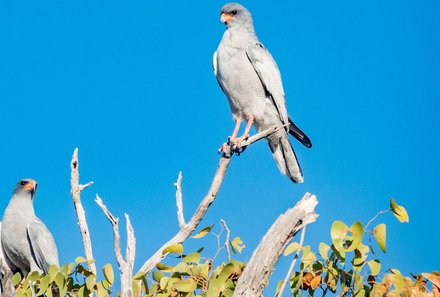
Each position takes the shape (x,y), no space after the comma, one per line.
(42,244)
(269,75)
(214,67)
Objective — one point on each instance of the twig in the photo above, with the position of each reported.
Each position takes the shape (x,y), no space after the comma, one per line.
(262,134)
(179,202)
(375,217)
(292,265)
(257,271)
(75,192)
(187,229)
(125,266)
(228,234)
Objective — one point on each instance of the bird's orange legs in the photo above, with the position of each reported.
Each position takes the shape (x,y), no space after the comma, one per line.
(233,140)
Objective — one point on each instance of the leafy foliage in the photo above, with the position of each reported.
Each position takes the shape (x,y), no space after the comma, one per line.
(347,266)
(350,267)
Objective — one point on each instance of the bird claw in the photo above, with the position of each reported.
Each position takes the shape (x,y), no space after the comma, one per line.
(233,146)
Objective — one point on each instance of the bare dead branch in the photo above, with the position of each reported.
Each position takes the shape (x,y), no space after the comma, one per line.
(125,265)
(292,265)
(257,271)
(179,202)
(75,192)
(228,234)
(201,210)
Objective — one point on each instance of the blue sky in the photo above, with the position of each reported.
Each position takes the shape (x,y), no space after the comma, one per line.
(130,83)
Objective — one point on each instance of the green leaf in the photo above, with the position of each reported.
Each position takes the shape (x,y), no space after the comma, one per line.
(380,234)
(182,267)
(192,258)
(53,271)
(80,260)
(187,285)
(357,232)
(399,211)
(90,282)
(203,232)
(44,284)
(237,244)
(291,248)
(308,257)
(323,250)
(338,232)
(33,276)
(108,273)
(157,275)
(16,279)
(164,267)
(173,249)
(60,281)
(374,267)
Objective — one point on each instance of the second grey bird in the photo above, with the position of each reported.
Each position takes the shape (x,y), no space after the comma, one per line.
(250,79)
(27,243)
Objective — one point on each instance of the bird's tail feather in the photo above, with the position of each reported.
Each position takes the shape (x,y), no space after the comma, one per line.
(285,158)
(298,134)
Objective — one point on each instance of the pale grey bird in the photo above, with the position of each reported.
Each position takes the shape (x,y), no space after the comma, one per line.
(250,79)
(27,243)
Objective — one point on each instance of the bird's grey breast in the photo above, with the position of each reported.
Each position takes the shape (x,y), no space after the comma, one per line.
(14,234)
(237,76)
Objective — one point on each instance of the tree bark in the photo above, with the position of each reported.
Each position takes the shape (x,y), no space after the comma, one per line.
(259,268)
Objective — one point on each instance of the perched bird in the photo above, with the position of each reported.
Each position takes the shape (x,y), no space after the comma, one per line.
(27,243)
(250,79)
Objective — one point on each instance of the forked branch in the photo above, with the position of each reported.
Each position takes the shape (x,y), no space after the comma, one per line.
(125,265)
(75,192)
(186,229)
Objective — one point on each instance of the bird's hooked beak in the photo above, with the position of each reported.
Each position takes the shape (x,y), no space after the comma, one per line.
(30,187)
(225,17)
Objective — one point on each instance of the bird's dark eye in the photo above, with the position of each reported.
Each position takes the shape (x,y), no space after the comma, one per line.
(234,12)
(23,182)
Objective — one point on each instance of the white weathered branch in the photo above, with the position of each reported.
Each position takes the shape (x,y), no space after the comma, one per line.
(187,229)
(75,192)
(179,202)
(228,235)
(257,271)
(292,265)
(125,265)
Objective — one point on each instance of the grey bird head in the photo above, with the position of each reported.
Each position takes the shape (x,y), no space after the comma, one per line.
(236,15)
(26,188)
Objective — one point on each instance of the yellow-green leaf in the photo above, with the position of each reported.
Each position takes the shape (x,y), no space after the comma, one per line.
(80,260)
(374,266)
(173,249)
(237,244)
(108,273)
(90,282)
(187,285)
(380,234)
(323,250)
(203,232)
(164,267)
(53,271)
(157,275)
(192,258)
(16,279)
(338,232)
(293,247)
(399,211)
(357,232)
